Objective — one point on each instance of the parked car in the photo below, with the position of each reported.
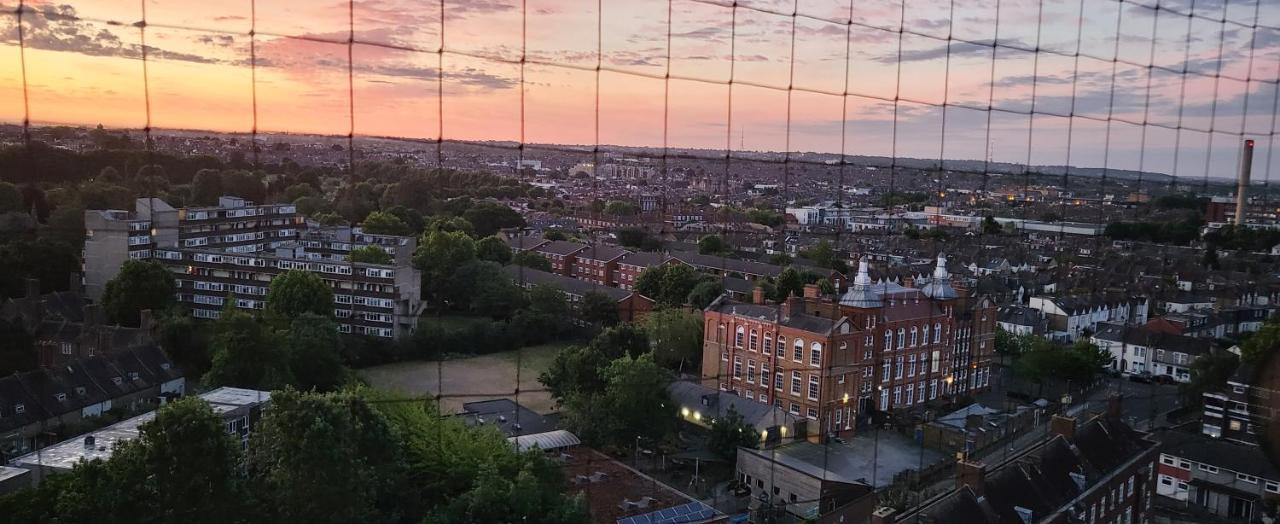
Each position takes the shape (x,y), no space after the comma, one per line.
(1142,378)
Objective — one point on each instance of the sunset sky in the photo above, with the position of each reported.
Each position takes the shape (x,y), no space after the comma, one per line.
(83,67)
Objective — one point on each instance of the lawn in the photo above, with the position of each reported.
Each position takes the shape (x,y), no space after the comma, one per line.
(469,379)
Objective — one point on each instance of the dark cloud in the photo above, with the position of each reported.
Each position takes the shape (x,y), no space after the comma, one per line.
(59,28)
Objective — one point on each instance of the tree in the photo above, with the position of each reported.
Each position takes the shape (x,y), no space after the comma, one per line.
(10,198)
(531,260)
(729,432)
(439,256)
(1259,347)
(450,224)
(634,404)
(493,249)
(712,245)
(620,208)
(495,497)
(380,223)
(668,284)
(990,226)
(789,282)
(185,342)
(483,288)
(295,292)
(598,309)
(139,285)
(826,287)
(781,259)
(573,371)
(1209,373)
(371,255)
(822,254)
(703,294)
(620,340)
(325,458)
(191,463)
(676,337)
(488,218)
(246,354)
(315,353)
(637,238)
(206,187)
(554,235)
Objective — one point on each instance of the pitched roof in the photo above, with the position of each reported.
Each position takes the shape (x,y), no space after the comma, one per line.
(561,247)
(526,277)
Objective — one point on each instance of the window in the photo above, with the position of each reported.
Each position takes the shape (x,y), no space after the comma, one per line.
(812,413)
(724,355)
(813,387)
(1167,460)
(911,370)
(751,343)
(925,338)
(798,350)
(910,389)
(886,370)
(751,371)
(933,389)
(888,340)
(737,368)
(1208,468)
(737,339)
(795,383)
(839,412)
(920,392)
(914,335)
(897,395)
(777,381)
(897,372)
(1273,487)
(902,337)
(937,332)
(1246,478)
(884,399)
(768,344)
(815,354)
(764,373)
(60,397)
(19,408)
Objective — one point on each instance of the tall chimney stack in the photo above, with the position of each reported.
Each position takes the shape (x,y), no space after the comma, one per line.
(1242,189)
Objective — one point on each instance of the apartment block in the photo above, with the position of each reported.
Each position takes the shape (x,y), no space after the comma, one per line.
(233,251)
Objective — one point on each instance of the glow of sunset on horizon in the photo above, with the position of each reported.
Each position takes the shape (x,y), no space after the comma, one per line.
(83,66)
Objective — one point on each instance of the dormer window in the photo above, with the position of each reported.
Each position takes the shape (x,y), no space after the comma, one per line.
(60,397)
(133,375)
(19,408)
(117,381)
(80,390)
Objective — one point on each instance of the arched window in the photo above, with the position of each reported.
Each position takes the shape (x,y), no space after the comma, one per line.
(914,335)
(888,339)
(753,340)
(815,354)
(925,337)
(737,339)
(798,347)
(937,332)
(768,343)
(902,337)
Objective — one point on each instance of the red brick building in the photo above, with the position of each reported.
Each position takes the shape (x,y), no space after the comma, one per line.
(562,254)
(881,347)
(631,265)
(598,264)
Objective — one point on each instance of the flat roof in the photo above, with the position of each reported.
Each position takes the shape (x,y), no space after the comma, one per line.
(65,454)
(7,473)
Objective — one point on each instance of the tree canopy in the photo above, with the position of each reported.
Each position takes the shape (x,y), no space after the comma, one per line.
(139,285)
(295,292)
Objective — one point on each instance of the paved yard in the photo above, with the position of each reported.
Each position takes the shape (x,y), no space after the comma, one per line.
(470,379)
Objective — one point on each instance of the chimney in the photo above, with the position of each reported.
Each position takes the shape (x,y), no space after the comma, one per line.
(33,287)
(884,515)
(1242,187)
(1063,425)
(812,291)
(757,295)
(972,474)
(792,306)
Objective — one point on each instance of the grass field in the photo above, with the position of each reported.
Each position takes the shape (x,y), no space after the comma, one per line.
(478,378)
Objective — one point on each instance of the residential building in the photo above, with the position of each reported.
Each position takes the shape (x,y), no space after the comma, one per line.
(1075,316)
(1240,411)
(63,326)
(233,251)
(240,409)
(598,264)
(1140,350)
(562,254)
(1022,320)
(631,265)
(1207,476)
(976,427)
(52,401)
(631,305)
(1102,472)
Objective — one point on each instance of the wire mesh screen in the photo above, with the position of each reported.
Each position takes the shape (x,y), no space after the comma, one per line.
(1025,109)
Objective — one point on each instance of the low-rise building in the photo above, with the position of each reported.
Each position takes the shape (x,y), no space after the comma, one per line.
(631,305)
(1140,350)
(1215,477)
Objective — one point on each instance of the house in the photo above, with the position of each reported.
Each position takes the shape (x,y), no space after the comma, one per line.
(64,327)
(598,264)
(562,254)
(631,305)
(521,243)
(1022,320)
(1207,476)
(1075,316)
(240,409)
(1099,471)
(1241,410)
(1141,350)
(53,401)
(631,265)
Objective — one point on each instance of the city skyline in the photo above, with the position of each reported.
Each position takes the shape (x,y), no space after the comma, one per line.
(197,75)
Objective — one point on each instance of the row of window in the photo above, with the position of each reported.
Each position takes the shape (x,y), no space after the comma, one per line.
(797,353)
(914,334)
(1181,463)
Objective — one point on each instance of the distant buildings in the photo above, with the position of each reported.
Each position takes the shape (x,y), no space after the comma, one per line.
(631,305)
(1140,350)
(1206,476)
(234,250)
(1071,317)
